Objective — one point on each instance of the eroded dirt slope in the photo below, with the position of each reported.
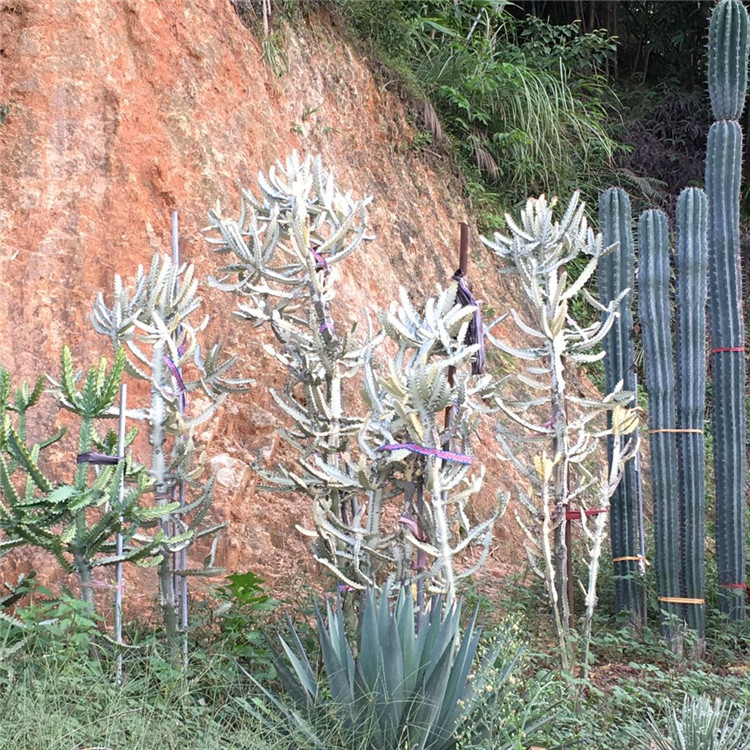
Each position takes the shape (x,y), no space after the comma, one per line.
(121,111)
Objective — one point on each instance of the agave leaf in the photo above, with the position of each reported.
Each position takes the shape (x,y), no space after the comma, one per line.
(336,670)
(407,639)
(370,655)
(393,701)
(427,703)
(455,689)
(301,682)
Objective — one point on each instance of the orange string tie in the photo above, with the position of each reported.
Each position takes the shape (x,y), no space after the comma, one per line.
(694,430)
(628,558)
(681,600)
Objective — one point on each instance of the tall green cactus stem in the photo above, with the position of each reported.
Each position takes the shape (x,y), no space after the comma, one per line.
(691,264)
(616,274)
(654,309)
(727,74)
(728,47)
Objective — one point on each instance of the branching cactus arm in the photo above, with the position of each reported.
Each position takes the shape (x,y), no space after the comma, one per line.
(57,517)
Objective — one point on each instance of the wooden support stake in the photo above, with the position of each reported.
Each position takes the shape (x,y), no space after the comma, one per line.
(463,263)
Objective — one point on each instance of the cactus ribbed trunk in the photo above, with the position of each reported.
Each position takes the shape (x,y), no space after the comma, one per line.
(161,486)
(82,568)
(654,309)
(691,264)
(616,273)
(727,74)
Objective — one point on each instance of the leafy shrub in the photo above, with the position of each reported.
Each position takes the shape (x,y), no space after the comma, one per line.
(243,612)
(523,100)
(665,128)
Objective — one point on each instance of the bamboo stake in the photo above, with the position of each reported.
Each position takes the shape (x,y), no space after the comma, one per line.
(463,262)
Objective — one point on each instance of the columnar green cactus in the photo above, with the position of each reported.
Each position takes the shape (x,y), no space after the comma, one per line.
(691,263)
(727,74)
(654,309)
(616,274)
(728,48)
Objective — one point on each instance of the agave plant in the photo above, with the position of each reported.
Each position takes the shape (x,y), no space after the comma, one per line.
(405,687)
(702,724)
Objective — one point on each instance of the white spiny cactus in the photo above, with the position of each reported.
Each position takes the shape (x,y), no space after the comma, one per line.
(154,323)
(565,442)
(375,512)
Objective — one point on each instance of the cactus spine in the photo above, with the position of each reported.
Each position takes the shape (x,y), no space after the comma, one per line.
(727,75)
(654,309)
(691,264)
(616,274)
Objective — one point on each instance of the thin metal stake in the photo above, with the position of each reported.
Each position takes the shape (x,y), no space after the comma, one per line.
(180,563)
(119,542)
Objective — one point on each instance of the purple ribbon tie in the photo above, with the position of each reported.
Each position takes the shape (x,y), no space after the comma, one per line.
(475,333)
(97,459)
(178,377)
(319,259)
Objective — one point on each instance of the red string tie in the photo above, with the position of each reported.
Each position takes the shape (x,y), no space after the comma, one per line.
(575,515)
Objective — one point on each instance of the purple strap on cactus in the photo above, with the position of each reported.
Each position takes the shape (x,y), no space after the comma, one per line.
(97,459)
(327,326)
(320,260)
(475,333)
(180,382)
(182,346)
(460,458)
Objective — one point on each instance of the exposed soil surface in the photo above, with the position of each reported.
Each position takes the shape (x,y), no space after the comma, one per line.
(118,113)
